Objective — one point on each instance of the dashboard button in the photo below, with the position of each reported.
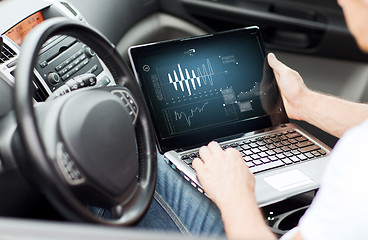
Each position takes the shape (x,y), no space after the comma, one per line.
(62,72)
(53,78)
(43,64)
(12,64)
(89,52)
(93,69)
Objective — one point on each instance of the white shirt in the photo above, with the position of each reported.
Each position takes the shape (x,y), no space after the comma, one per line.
(340,209)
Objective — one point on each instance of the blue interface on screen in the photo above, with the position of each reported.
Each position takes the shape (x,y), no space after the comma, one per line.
(200,84)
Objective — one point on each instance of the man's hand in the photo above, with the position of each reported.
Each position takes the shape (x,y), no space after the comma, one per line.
(228,182)
(328,113)
(292,87)
(224,175)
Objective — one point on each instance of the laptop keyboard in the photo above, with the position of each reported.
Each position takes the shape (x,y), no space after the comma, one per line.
(272,151)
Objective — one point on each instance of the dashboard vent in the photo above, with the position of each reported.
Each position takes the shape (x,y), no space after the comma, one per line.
(39,92)
(6,53)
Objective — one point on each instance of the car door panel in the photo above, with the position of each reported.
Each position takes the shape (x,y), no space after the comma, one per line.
(301,26)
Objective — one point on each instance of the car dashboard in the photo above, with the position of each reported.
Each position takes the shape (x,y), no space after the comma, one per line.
(61,57)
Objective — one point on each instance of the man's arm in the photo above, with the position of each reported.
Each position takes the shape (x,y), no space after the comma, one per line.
(331,114)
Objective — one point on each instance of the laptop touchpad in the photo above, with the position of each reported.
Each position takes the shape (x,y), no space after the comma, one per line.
(288,180)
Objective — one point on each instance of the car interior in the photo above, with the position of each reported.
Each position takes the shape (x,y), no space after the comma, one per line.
(56,54)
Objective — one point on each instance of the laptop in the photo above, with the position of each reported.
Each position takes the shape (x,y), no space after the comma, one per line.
(220,87)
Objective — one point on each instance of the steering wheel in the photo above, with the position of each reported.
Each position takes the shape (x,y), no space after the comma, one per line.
(90,147)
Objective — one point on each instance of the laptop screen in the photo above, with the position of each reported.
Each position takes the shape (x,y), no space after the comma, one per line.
(208,87)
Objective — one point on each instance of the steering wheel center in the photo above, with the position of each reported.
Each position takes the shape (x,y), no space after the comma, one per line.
(97,130)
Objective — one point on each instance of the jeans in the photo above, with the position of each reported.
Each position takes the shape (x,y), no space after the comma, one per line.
(178,207)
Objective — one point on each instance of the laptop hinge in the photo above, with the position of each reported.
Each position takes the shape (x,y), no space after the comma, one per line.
(224,139)
(178,150)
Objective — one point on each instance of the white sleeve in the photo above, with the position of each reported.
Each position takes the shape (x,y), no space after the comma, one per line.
(339,211)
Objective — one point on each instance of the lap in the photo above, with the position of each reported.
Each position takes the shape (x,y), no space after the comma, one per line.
(179,203)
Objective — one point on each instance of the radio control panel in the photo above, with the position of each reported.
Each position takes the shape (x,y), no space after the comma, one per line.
(66,58)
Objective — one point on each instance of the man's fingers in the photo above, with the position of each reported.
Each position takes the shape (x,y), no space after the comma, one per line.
(278,67)
(273,61)
(197,164)
(214,147)
(233,152)
(204,152)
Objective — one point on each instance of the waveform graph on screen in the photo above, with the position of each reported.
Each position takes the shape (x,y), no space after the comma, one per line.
(196,115)
(187,116)
(190,78)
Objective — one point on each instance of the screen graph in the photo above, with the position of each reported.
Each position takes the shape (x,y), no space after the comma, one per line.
(190,115)
(183,79)
(191,77)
